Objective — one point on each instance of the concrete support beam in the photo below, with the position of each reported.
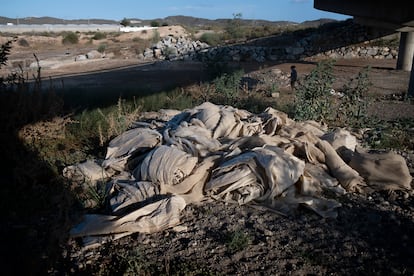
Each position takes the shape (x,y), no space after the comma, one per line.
(395,12)
(406,51)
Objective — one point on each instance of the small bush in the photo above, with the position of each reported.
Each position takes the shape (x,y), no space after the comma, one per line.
(155,24)
(234,28)
(212,39)
(353,104)
(237,241)
(98,36)
(125,22)
(313,96)
(23,42)
(102,48)
(70,38)
(227,87)
(156,37)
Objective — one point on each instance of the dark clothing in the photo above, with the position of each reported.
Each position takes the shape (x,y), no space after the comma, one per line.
(293,77)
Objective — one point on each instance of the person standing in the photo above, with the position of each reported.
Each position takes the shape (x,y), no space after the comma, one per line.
(293,76)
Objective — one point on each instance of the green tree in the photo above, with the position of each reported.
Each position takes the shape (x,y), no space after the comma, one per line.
(155,24)
(125,22)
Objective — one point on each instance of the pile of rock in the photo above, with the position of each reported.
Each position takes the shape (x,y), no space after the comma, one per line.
(362,52)
(262,54)
(327,41)
(171,48)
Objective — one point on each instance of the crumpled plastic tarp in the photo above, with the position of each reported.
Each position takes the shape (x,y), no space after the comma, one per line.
(223,153)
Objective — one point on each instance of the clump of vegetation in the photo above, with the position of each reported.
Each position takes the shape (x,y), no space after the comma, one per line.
(234,28)
(102,48)
(352,110)
(396,134)
(125,22)
(314,100)
(101,125)
(156,37)
(237,240)
(99,36)
(140,45)
(212,39)
(23,42)
(70,38)
(227,87)
(317,100)
(155,24)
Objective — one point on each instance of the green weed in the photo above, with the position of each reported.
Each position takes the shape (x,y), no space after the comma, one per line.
(237,241)
(352,110)
(313,98)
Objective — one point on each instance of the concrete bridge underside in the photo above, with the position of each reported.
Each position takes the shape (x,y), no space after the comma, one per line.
(395,15)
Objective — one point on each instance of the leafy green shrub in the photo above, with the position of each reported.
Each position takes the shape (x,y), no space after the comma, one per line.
(70,38)
(316,100)
(352,110)
(227,87)
(313,95)
(237,241)
(395,134)
(155,24)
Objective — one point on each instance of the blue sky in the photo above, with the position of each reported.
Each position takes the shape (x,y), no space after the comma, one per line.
(289,10)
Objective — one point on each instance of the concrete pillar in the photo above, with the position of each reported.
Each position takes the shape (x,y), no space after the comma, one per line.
(410,91)
(406,51)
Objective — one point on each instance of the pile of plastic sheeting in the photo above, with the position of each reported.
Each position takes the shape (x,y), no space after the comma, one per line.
(170,159)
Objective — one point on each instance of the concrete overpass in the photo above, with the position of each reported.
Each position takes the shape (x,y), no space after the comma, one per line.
(395,15)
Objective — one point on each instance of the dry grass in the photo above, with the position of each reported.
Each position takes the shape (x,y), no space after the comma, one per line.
(51,129)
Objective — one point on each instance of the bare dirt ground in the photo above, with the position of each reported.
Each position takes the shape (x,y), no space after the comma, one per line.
(371,236)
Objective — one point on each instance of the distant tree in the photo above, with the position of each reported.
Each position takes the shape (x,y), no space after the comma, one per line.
(125,22)
(155,24)
(234,27)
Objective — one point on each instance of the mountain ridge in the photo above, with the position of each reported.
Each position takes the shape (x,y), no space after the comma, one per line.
(169,20)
